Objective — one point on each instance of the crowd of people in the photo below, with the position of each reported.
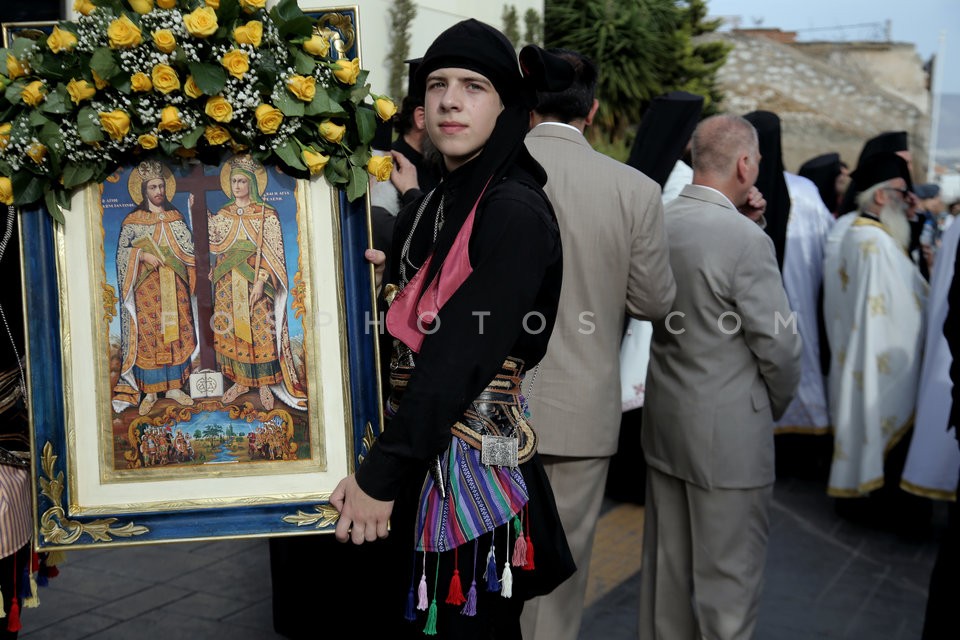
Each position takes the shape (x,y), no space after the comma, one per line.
(537,290)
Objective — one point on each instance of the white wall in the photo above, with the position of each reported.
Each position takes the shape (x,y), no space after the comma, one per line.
(433,16)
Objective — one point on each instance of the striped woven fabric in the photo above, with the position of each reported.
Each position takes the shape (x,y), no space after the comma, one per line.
(479,498)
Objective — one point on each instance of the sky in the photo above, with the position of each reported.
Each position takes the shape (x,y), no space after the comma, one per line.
(920,22)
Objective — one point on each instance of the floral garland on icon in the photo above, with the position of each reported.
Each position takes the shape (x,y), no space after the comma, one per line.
(193,80)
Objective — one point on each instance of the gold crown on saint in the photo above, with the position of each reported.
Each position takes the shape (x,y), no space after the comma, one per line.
(150,170)
(245,162)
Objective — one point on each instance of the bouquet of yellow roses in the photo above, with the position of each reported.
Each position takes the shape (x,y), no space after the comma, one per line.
(186,79)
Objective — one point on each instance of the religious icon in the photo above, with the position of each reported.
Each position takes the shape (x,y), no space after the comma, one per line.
(206,332)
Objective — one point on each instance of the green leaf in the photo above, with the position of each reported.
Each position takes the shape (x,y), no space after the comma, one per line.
(322,105)
(27,187)
(300,26)
(76,174)
(358,183)
(285,11)
(12,94)
(337,171)
(57,101)
(289,153)
(21,46)
(366,124)
(189,140)
(169,147)
(228,11)
(88,125)
(209,77)
(303,62)
(37,119)
(289,105)
(104,63)
(53,207)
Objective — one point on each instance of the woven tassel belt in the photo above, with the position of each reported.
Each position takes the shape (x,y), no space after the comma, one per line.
(494,423)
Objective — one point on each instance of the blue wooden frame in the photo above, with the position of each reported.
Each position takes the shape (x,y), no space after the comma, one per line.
(58,528)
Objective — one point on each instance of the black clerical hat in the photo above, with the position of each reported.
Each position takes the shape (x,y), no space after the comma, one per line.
(880,167)
(887,141)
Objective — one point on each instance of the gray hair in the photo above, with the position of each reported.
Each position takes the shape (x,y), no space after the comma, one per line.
(719,141)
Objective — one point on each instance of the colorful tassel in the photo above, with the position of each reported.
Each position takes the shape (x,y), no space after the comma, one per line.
(33,600)
(529,566)
(42,577)
(13,619)
(470,608)
(520,546)
(56,558)
(3,612)
(506,581)
(422,604)
(35,562)
(52,572)
(408,612)
(431,627)
(455,592)
(493,584)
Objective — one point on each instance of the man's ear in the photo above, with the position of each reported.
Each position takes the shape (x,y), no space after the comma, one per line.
(743,163)
(593,112)
(418,118)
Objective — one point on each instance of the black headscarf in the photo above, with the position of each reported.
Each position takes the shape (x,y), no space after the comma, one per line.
(888,141)
(663,134)
(770,180)
(476,46)
(823,171)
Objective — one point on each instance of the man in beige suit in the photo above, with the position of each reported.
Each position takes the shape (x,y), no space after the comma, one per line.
(614,262)
(724,364)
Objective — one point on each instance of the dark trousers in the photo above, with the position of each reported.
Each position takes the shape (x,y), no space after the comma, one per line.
(941,621)
(10,567)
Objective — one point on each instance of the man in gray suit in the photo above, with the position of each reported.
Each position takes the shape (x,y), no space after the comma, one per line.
(724,364)
(614,262)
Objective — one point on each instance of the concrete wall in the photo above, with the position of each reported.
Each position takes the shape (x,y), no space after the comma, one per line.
(829,101)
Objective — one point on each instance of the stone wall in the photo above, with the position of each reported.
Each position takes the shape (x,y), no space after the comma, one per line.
(828,99)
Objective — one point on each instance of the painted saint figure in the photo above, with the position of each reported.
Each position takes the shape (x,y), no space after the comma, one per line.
(249,277)
(156,278)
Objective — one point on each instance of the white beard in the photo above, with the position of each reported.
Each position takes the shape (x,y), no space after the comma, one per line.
(894,218)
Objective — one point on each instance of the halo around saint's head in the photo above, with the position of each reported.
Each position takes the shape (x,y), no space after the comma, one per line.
(247,163)
(150,170)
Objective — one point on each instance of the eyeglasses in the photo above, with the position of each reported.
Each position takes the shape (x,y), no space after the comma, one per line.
(903,192)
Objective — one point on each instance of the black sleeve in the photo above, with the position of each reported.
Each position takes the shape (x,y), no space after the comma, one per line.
(951,330)
(512,247)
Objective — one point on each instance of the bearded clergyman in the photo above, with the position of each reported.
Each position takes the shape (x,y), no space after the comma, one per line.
(874,298)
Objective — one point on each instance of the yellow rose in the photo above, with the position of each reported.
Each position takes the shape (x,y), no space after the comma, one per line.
(348,71)
(15,68)
(252,5)
(303,87)
(6,190)
(164,78)
(164,41)
(61,40)
(317,45)
(98,82)
(170,119)
(380,167)
(141,82)
(141,6)
(148,140)
(236,63)
(219,109)
(5,135)
(80,90)
(116,123)
(268,118)
(201,22)
(385,108)
(36,152)
(213,3)
(166,4)
(314,161)
(191,89)
(122,33)
(250,33)
(215,134)
(34,93)
(84,7)
(332,132)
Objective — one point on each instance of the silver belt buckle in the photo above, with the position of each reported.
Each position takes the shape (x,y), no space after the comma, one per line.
(499,450)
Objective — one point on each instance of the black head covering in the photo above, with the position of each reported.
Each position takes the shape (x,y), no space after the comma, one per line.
(412,65)
(770,180)
(473,45)
(886,142)
(823,171)
(881,167)
(663,134)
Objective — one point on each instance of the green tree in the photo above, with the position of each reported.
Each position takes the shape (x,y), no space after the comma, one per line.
(402,14)
(534,27)
(643,48)
(511,24)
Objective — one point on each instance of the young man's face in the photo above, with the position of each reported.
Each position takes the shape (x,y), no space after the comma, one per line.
(461,110)
(156,190)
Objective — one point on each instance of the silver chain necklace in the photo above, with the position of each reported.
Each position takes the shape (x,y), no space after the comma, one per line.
(405,251)
(8,231)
